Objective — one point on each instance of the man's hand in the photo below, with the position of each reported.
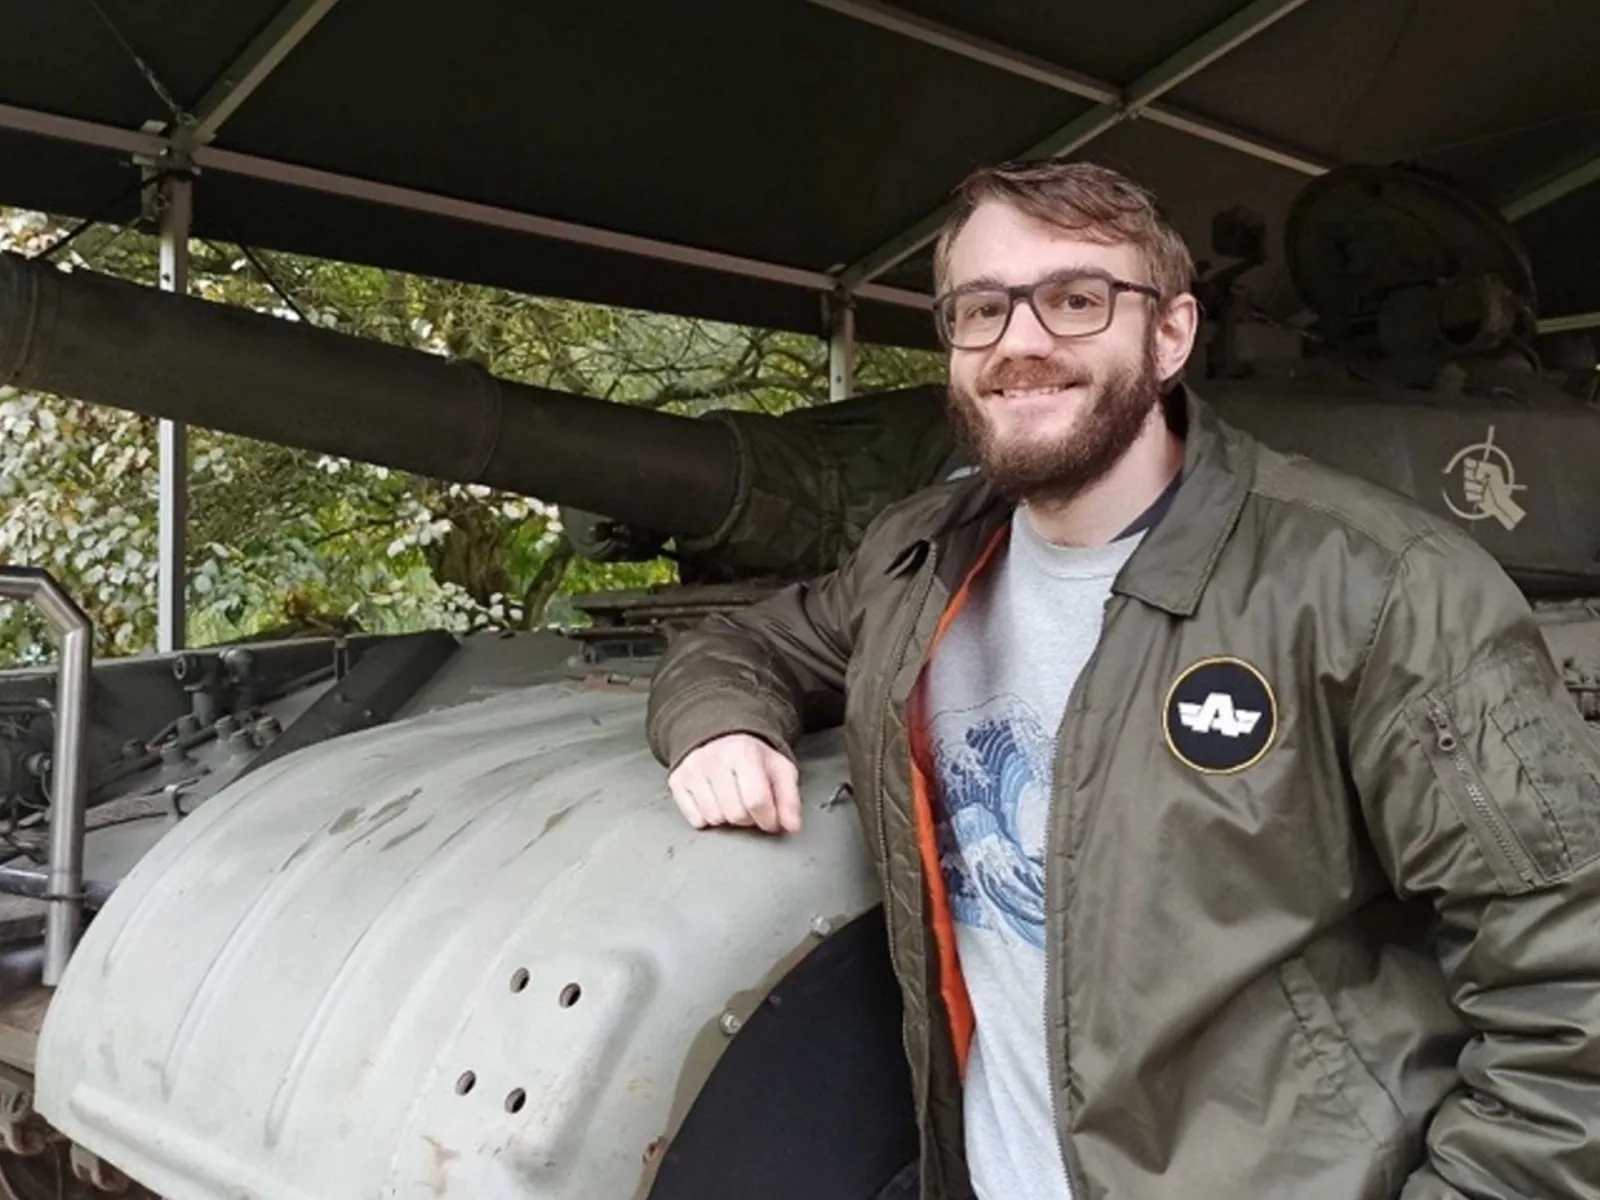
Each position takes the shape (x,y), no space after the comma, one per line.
(737,779)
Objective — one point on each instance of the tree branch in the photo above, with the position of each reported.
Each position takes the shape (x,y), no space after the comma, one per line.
(673,393)
(546,580)
(374,523)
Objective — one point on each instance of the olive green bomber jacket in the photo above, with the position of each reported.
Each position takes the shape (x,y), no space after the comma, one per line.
(1323,867)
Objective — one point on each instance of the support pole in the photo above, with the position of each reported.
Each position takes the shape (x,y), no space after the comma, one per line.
(841,346)
(69,780)
(173,439)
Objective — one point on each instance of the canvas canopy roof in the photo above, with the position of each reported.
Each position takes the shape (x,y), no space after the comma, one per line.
(739,159)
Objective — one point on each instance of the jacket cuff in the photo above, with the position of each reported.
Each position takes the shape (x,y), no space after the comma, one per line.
(694,724)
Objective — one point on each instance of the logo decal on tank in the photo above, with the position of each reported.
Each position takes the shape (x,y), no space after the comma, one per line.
(1486,480)
(1221,715)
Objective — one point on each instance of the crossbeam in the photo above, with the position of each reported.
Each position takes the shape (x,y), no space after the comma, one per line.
(1134,101)
(1074,83)
(214,158)
(250,70)
(132,142)
(1569,323)
(1549,191)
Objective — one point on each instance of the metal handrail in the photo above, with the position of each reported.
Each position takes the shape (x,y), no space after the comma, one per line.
(68,759)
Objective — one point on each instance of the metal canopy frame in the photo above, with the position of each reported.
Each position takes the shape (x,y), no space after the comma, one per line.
(150,145)
(1118,106)
(189,132)
(172,442)
(250,70)
(192,135)
(1570,323)
(1141,100)
(1548,192)
(1074,83)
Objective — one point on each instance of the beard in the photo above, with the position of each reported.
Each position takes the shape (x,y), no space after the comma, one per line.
(1052,471)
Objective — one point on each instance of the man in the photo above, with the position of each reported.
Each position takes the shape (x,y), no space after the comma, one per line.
(1237,835)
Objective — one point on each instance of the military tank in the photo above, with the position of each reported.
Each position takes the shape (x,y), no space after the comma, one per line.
(414,916)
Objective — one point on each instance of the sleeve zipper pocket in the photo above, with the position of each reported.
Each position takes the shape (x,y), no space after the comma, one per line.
(1447,741)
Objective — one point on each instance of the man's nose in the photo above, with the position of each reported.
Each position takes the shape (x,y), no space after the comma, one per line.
(1025,337)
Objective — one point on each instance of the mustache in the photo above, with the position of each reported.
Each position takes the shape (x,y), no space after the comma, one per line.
(1033,373)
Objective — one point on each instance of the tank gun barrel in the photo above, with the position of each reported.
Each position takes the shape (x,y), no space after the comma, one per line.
(106,341)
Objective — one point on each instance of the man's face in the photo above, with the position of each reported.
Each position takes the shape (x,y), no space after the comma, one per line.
(1045,416)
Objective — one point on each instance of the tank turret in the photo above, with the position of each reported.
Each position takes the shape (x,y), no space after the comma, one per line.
(1417,362)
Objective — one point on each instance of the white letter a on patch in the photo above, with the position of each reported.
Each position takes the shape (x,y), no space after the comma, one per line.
(1217,715)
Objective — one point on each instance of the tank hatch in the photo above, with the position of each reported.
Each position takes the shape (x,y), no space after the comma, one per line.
(1399,262)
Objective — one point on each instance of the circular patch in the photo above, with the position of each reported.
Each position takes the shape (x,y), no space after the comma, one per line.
(1220,715)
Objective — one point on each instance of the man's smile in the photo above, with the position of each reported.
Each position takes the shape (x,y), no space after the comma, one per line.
(1048,396)
(1025,393)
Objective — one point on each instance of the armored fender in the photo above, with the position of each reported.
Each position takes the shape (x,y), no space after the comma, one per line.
(473,953)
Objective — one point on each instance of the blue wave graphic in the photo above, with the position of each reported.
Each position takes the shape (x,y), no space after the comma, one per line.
(993,764)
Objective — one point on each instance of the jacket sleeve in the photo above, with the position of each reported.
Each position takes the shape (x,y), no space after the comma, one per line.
(1481,786)
(767,670)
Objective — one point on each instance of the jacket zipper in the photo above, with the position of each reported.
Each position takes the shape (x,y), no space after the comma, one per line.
(1449,744)
(1055,1062)
(924,588)
(913,618)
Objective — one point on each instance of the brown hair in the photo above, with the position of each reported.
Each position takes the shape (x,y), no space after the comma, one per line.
(1094,202)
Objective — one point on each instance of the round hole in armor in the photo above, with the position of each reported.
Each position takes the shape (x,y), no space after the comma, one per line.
(516,1100)
(570,994)
(519,979)
(465,1083)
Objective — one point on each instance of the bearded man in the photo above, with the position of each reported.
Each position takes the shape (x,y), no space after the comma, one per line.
(1237,835)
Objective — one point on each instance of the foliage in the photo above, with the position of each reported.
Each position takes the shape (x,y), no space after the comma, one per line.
(281,539)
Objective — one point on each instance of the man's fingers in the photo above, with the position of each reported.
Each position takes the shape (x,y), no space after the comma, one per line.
(755,792)
(785,780)
(718,795)
(685,801)
(738,779)
(683,788)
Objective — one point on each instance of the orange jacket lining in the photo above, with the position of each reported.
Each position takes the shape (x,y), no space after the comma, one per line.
(952,987)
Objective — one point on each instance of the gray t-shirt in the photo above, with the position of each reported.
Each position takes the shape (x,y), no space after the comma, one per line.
(995,693)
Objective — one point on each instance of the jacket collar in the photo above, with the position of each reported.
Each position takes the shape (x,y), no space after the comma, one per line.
(1173,564)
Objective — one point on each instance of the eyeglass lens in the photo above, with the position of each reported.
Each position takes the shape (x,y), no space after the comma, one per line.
(1066,307)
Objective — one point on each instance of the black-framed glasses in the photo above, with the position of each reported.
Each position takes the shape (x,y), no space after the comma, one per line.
(1068,304)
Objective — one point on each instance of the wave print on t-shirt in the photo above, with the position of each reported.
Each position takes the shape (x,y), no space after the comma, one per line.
(993,766)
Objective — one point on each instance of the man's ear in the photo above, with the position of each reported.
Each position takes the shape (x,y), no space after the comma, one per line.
(1176,328)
